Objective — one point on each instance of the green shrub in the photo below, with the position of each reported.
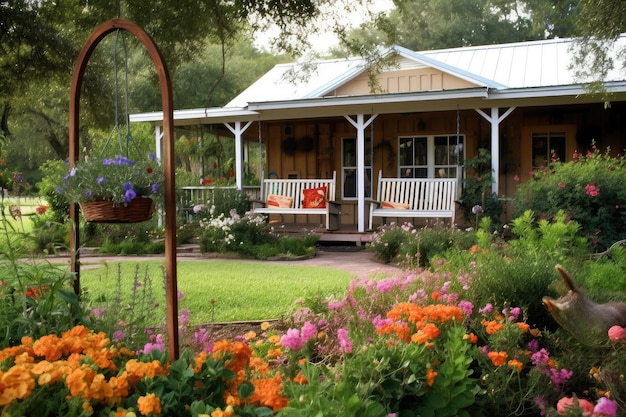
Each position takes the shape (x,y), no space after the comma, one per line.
(477,190)
(590,190)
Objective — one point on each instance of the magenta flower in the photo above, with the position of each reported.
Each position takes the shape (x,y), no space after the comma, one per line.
(605,407)
(292,340)
(591,190)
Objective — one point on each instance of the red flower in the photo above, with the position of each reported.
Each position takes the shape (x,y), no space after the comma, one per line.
(149,170)
(41,209)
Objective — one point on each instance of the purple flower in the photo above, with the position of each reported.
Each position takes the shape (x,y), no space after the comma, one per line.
(533,345)
(540,358)
(88,193)
(118,335)
(154,188)
(467,307)
(129,195)
(605,407)
(128,186)
(152,156)
(99,180)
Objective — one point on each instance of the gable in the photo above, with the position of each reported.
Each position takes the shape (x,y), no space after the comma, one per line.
(403,76)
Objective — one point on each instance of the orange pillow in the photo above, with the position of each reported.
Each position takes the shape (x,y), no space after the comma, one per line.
(314,197)
(392,205)
(279,201)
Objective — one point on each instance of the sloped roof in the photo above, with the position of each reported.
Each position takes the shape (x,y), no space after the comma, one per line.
(530,64)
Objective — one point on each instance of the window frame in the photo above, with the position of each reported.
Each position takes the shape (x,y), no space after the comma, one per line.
(431,165)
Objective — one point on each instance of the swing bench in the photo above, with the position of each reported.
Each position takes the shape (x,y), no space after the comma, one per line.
(296,196)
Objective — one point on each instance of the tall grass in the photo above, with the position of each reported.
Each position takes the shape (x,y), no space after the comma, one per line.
(220,291)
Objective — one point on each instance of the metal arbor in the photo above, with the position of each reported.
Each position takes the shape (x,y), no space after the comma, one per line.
(168,164)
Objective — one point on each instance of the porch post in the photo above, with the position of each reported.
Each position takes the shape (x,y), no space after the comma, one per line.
(360,124)
(158,153)
(237,130)
(495,118)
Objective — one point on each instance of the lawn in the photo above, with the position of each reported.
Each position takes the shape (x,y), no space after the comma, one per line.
(217,290)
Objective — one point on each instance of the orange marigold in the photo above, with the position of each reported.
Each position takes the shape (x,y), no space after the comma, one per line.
(498,358)
(515,364)
(471,337)
(492,327)
(267,392)
(430,377)
(149,404)
(523,326)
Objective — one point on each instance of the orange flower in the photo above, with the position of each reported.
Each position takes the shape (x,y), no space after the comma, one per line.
(515,364)
(300,378)
(498,358)
(265,325)
(250,335)
(492,327)
(436,295)
(267,392)
(427,333)
(472,338)
(149,404)
(474,249)
(430,377)
(523,326)
(228,412)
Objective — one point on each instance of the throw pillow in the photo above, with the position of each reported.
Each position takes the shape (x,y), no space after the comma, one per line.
(279,201)
(392,205)
(314,197)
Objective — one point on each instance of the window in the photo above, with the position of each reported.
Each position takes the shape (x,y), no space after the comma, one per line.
(348,165)
(542,144)
(546,148)
(430,156)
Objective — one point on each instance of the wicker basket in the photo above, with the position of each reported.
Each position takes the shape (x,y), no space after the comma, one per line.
(104,211)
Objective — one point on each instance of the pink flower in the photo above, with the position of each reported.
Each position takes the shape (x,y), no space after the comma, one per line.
(516,178)
(531,173)
(561,185)
(344,340)
(292,340)
(591,190)
(617,333)
(605,407)
(567,403)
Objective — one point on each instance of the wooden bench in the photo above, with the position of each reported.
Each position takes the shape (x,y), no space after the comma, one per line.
(415,198)
(294,189)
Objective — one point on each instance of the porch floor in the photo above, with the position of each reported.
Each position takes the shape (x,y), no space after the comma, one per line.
(347,235)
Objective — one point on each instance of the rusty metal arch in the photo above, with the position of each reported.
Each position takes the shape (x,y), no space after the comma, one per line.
(168,162)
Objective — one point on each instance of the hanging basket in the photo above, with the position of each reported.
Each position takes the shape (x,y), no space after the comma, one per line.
(105,211)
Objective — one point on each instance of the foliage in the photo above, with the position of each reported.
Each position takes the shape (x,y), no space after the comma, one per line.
(588,189)
(52,170)
(118,179)
(82,372)
(37,297)
(477,197)
(410,247)
(250,236)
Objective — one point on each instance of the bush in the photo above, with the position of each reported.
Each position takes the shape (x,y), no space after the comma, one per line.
(250,236)
(589,189)
(477,190)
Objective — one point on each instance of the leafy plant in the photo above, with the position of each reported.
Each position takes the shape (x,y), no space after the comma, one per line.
(118,179)
(587,189)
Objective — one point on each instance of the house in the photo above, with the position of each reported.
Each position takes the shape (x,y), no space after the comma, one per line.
(430,112)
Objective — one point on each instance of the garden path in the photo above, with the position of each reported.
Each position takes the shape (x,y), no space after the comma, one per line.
(361,263)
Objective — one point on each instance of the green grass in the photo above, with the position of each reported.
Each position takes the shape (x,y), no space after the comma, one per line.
(222,291)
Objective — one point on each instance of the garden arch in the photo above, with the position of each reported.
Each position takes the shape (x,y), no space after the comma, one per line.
(168,163)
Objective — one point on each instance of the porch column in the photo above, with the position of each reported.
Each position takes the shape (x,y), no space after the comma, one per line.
(158,153)
(495,120)
(237,130)
(360,124)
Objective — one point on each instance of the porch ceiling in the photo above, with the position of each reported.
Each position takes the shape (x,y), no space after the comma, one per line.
(430,101)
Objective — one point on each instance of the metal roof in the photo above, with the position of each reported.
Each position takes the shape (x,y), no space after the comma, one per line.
(524,73)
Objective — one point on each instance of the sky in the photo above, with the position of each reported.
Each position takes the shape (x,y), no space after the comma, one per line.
(324,42)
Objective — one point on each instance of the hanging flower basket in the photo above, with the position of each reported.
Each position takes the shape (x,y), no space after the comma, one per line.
(138,210)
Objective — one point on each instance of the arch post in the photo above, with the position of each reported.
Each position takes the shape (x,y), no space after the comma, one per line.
(168,162)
